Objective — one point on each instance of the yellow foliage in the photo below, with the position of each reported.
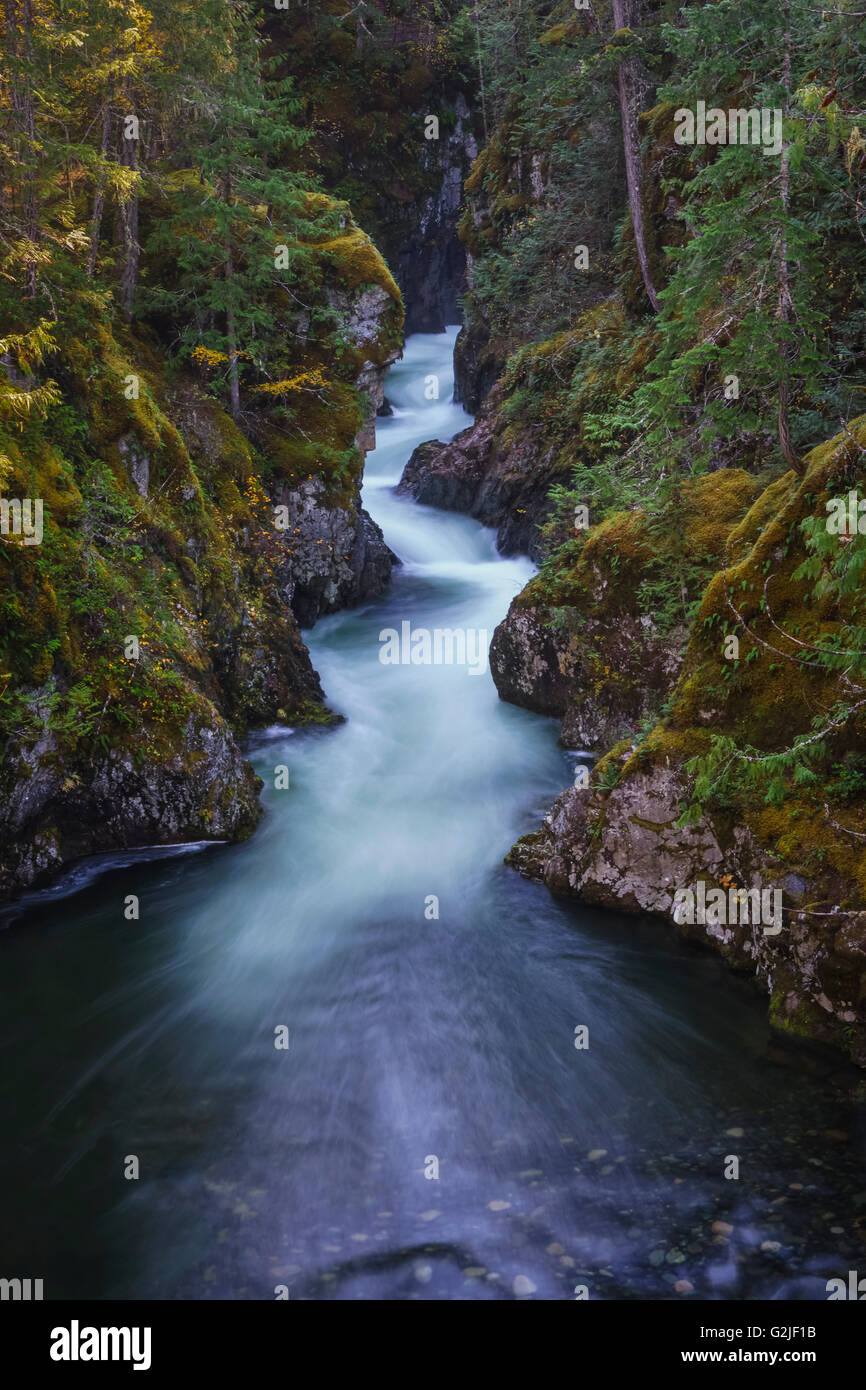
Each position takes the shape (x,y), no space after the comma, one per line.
(304,381)
(29,349)
(208,357)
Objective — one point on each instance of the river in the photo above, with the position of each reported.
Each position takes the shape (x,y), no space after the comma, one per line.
(431,1130)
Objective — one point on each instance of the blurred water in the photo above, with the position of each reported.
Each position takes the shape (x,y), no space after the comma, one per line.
(411,1037)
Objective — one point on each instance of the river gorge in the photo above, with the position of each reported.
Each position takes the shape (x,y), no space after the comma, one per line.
(357,1057)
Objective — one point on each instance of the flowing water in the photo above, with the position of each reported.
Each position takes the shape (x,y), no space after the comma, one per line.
(431,1130)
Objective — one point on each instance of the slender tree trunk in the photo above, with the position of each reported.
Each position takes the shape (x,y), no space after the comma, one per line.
(10,21)
(481,75)
(99,195)
(231,334)
(785,302)
(20,39)
(231,327)
(129,229)
(630,102)
(359,26)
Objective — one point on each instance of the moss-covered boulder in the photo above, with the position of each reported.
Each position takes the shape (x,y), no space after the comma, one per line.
(588,640)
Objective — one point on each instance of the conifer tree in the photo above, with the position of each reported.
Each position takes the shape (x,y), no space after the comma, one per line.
(225,227)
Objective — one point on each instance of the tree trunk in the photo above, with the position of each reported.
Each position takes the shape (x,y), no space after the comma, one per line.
(19,39)
(129,230)
(231,334)
(231,327)
(99,195)
(630,103)
(481,74)
(10,18)
(784,301)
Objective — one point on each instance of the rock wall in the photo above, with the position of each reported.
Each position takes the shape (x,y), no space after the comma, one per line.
(501,477)
(339,556)
(159,621)
(631,836)
(430,263)
(578,643)
(370,103)
(622,849)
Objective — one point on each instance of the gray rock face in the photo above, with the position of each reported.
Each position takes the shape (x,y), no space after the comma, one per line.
(337,557)
(363,314)
(430,263)
(602,678)
(640,858)
(203,790)
(447,475)
(506,488)
(477,363)
(136,462)
(529,666)
(621,849)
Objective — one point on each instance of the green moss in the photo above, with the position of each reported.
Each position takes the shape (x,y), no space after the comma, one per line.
(162,568)
(764,700)
(804,1020)
(559,34)
(358,262)
(604,575)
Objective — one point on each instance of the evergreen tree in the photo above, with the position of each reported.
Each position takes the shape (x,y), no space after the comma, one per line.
(747,339)
(246,223)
